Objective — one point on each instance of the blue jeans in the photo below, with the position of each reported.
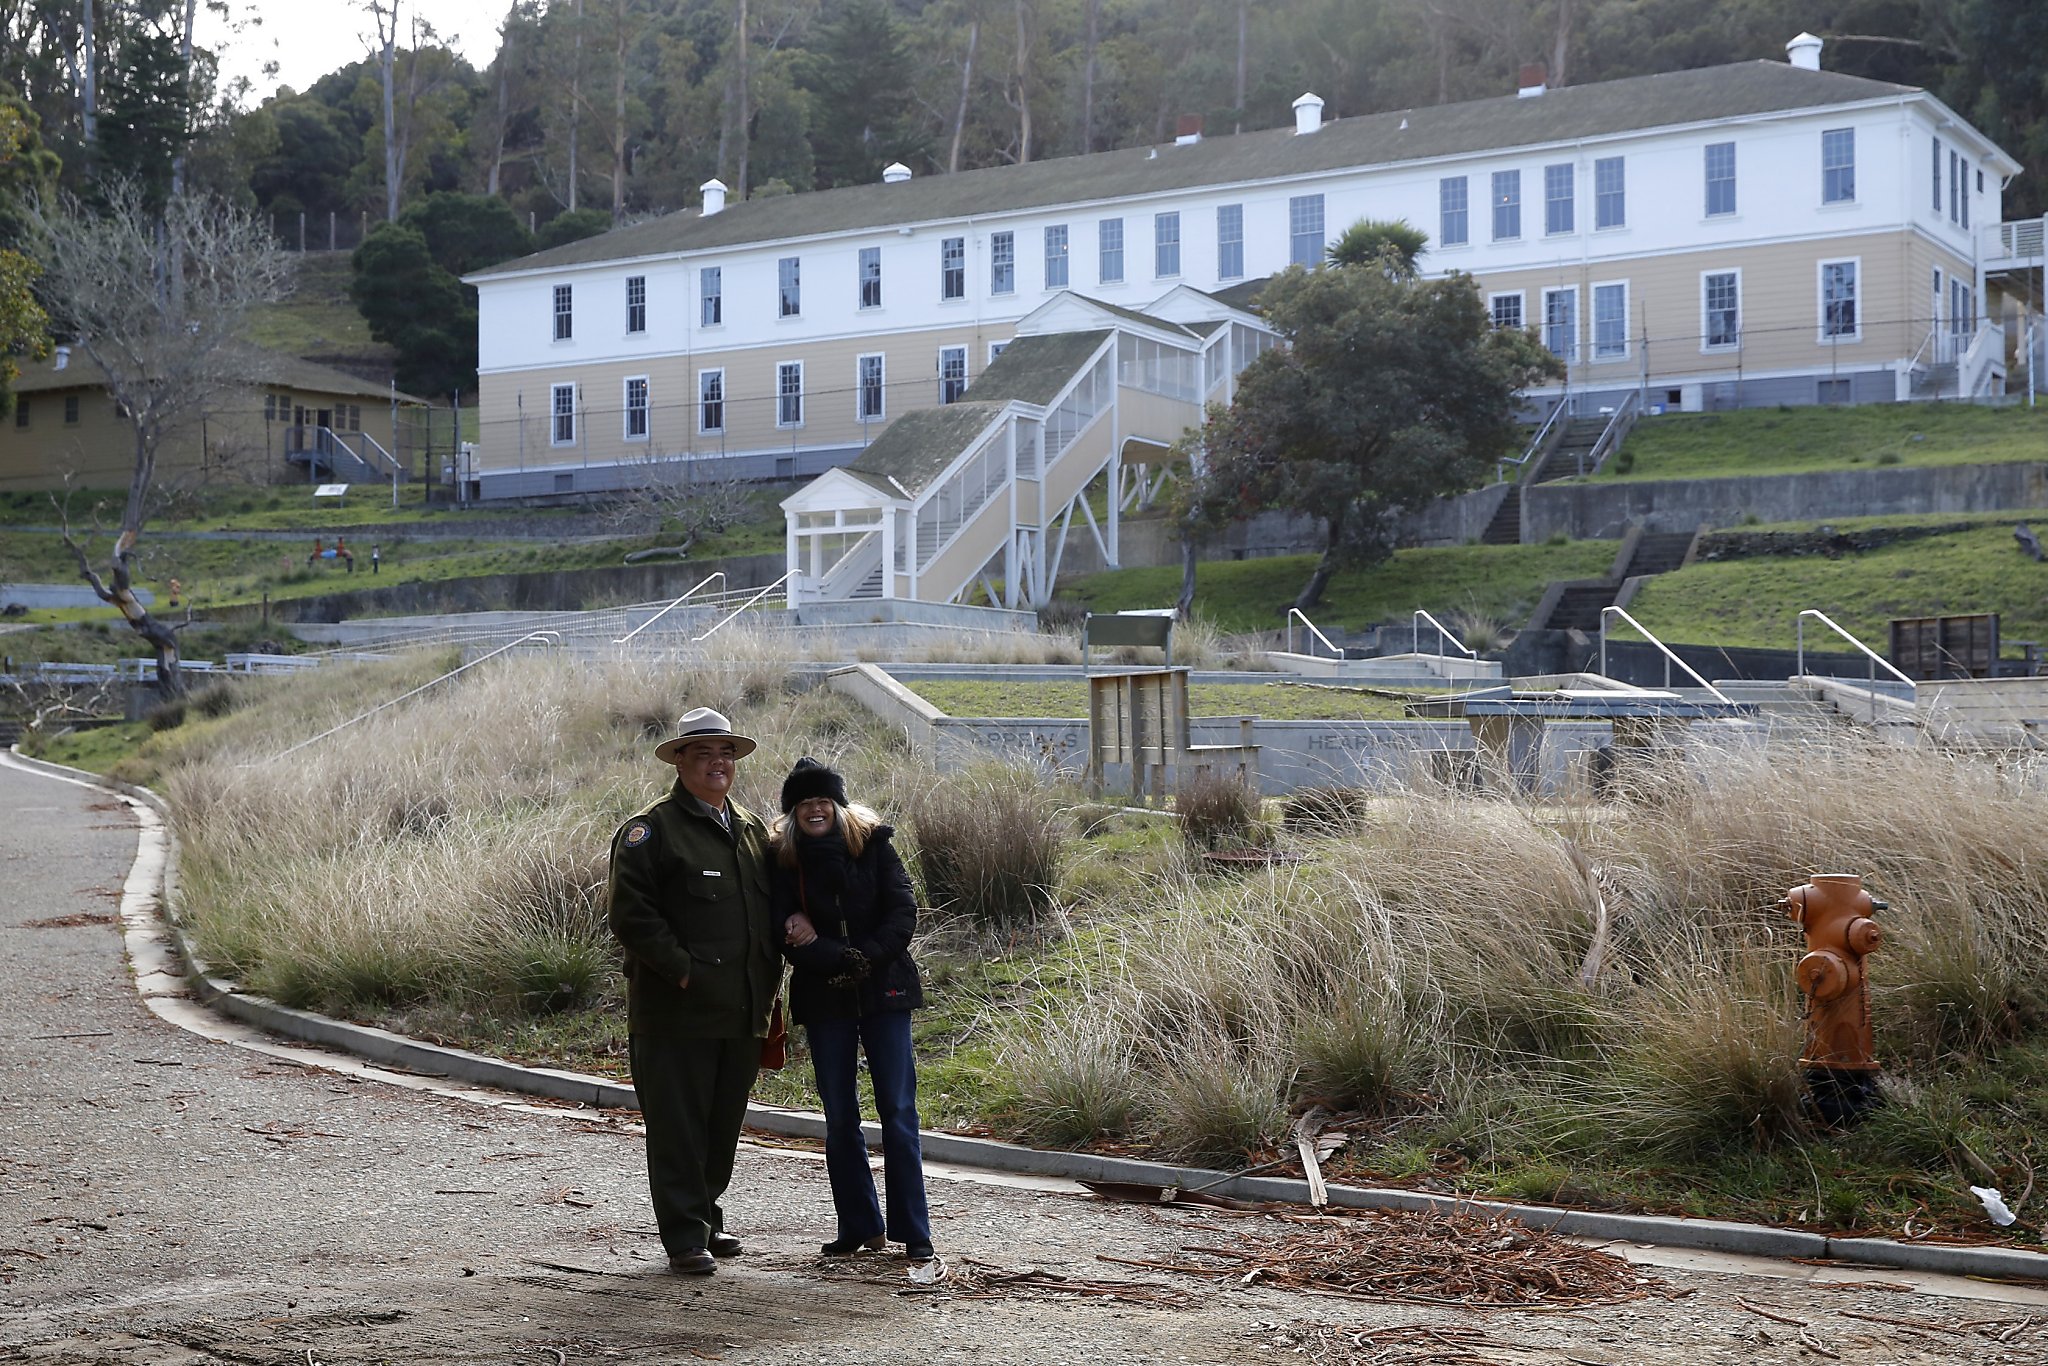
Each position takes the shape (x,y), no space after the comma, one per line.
(835,1048)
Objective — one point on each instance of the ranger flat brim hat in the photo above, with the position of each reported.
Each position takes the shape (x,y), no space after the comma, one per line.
(703,724)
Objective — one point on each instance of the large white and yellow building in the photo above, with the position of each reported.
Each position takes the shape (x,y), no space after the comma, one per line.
(1757,233)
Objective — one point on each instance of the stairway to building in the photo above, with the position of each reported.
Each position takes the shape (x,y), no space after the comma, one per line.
(1937,381)
(1659,552)
(1506,526)
(1581,435)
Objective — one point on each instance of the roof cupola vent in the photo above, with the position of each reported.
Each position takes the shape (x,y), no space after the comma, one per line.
(1308,113)
(895,173)
(1804,52)
(714,196)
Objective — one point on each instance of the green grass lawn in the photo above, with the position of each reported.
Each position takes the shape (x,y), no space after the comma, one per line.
(1272,701)
(319,318)
(1756,601)
(1802,440)
(1500,582)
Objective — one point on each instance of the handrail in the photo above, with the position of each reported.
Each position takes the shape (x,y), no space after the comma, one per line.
(1669,658)
(741,608)
(397,469)
(1799,630)
(550,637)
(1611,436)
(715,574)
(1443,634)
(1500,466)
(1328,644)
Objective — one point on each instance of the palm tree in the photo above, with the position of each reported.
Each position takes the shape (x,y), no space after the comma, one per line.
(1392,246)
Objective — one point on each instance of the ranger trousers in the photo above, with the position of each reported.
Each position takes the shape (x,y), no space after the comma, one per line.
(693,1100)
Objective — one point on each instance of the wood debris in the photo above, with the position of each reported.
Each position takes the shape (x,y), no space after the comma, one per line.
(971,1279)
(1420,1257)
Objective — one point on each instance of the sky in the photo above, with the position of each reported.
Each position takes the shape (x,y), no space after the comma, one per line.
(309,38)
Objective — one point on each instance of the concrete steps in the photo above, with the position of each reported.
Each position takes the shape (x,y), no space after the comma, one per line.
(1659,552)
(1506,526)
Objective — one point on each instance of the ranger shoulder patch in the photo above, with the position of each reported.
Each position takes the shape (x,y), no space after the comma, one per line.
(638,833)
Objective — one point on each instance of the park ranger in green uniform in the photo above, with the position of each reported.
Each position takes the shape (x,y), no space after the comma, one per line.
(689,900)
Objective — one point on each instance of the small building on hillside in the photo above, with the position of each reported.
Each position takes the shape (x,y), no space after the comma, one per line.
(293,421)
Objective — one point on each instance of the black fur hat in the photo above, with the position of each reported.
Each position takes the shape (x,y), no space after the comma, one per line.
(811,779)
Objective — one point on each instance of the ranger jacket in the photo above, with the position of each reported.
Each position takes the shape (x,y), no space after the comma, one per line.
(690,902)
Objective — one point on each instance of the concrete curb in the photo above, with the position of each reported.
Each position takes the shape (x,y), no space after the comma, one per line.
(1709,1235)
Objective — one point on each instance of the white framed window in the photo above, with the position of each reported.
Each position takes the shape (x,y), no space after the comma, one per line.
(1839,318)
(1838,166)
(1954,205)
(1056,256)
(1453,212)
(1561,322)
(636,303)
(789,394)
(953,268)
(1720,179)
(1720,310)
(952,373)
(789,287)
(636,409)
(1109,251)
(1936,143)
(565,317)
(1966,192)
(1305,238)
(870,388)
(1610,321)
(1559,198)
(1610,193)
(996,349)
(1507,205)
(562,415)
(711,293)
(1962,307)
(711,401)
(1230,241)
(1165,245)
(870,277)
(1002,263)
(1506,310)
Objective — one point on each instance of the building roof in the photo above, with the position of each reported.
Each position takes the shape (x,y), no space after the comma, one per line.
(917,447)
(264,369)
(1035,369)
(1508,121)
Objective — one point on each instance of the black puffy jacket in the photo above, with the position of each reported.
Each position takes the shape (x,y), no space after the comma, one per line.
(875,911)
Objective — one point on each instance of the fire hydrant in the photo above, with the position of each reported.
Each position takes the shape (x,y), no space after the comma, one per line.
(1840,1058)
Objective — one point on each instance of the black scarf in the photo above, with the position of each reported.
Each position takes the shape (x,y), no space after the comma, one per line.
(825,864)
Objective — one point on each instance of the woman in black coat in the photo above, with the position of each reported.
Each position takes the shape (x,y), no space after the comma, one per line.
(847,910)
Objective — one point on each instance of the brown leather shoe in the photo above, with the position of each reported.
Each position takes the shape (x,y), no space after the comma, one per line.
(724,1245)
(694,1261)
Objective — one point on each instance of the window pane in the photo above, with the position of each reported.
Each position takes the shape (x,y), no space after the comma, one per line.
(711,284)
(1507,311)
(636,303)
(952,373)
(789,394)
(562,312)
(1723,309)
(870,401)
(636,408)
(870,277)
(1165,244)
(1610,321)
(1451,211)
(1507,205)
(1056,257)
(1610,193)
(562,400)
(1561,322)
(1229,241)
(1838,166)
(1937,174)
(953,268)
(1002,263)
(789,287)
(1557,198)
(1966,192)
(711,401)
(1838,298)
(1720,177)
(1110,268)
(1305,230)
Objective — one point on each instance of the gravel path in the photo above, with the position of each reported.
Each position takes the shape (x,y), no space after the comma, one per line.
(168,1197)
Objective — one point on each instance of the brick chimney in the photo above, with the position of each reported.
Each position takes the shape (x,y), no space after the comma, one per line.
(1535,76)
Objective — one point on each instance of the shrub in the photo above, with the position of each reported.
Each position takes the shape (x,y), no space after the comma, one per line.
(1326,810)
(1217,811)
(987,844)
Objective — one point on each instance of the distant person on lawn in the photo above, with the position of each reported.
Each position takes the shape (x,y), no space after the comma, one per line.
(847,911)
(690,903)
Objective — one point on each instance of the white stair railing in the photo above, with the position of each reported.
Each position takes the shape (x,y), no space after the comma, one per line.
(1295,614)
(1873,656)
(1665,650)
(1443,634)
(718,575)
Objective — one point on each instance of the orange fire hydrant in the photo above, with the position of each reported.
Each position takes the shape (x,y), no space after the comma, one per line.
(1840,1057)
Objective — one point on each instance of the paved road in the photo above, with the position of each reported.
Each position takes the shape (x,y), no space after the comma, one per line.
(169,1196)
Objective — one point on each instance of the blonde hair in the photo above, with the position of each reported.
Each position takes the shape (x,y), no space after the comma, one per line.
(857,824)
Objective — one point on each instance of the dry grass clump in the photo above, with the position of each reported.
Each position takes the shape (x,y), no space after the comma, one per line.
(1217,810)
(986,844)
(1570,985)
